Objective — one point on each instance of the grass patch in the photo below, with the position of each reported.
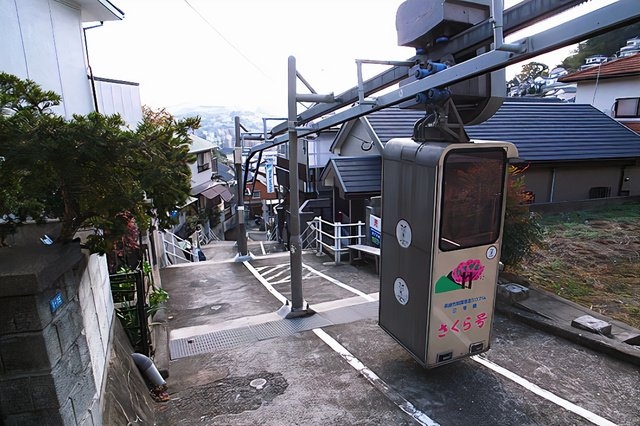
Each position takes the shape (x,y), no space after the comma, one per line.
(591,257)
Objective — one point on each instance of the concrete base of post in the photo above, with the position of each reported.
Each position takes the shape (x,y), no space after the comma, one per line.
(242,258)
(287,312)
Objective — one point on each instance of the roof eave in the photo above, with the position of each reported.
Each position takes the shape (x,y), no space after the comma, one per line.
(99,10)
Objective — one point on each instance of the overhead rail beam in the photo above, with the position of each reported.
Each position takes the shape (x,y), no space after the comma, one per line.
(607,18)
(516,18)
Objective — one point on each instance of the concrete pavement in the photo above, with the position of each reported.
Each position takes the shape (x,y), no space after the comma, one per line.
(232,360)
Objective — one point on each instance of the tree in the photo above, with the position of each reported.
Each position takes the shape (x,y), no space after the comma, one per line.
(607,44)
(88,170)
(522,230)
(532,70)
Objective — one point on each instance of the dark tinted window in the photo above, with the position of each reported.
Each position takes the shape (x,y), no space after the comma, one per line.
(471,198)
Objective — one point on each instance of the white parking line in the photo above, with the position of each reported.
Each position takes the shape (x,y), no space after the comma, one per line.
(570,406)
(375,380)
(265,283)
(340,284)
(372,377)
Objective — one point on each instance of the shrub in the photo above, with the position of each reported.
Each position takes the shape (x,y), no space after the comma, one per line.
(522,231)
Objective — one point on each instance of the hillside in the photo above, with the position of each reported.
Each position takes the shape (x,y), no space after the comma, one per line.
(217,122)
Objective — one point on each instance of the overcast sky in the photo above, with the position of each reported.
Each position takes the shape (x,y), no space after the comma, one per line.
(234,52)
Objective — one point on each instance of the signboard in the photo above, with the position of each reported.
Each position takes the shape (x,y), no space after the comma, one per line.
(55,302)
(375,228)
(269,174)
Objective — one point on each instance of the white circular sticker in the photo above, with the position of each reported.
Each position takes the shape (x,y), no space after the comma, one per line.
(491,252)
(403,233)
(401,291)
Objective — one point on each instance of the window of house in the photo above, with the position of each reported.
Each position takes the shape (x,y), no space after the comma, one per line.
(255,194)
(472,194)
(627,108)
(204,161)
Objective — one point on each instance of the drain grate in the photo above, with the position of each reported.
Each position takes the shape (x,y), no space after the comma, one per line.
(227,339)
(247,335)
(224,339)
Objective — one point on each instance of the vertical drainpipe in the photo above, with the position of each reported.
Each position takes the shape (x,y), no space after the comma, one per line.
(553,184)
(91,77)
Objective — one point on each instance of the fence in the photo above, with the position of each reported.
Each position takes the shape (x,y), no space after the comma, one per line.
(178,250)
(130,293)
(332,237)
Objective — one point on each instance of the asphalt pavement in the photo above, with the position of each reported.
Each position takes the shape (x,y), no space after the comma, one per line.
(231,359)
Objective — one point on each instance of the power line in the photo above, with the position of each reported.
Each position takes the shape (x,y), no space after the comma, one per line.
(238,51)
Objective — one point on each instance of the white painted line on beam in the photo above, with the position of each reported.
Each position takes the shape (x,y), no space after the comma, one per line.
(265,283)
(262,248)
(376,381)
(340,284)
(570,406)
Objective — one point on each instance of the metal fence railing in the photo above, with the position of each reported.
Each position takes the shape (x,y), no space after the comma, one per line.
(333,237)
(177,250)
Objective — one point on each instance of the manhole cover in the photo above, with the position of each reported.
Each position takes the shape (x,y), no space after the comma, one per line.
(258,383)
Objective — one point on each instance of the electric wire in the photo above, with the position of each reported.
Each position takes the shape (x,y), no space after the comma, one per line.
(226,40)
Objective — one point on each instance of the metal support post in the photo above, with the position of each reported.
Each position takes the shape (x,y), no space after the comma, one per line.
(241,232)
(337,242)
(297,308)
(318,221)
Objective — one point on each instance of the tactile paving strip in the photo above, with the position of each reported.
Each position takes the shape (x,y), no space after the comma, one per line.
(226,339)
(269,330)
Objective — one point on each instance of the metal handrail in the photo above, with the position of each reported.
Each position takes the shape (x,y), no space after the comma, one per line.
(309,235)
(173,256)
(338,241)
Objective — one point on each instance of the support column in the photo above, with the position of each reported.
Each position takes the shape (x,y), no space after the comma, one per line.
(241,231)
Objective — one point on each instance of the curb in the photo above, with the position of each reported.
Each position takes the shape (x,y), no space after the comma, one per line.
(597,342)
(160,342)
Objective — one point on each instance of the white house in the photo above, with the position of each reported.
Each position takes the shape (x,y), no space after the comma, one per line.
(42,40)
(612,87)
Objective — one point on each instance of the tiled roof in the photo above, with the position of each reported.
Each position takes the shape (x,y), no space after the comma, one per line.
(622,67)
(635,126)
(541,131)
(356,175)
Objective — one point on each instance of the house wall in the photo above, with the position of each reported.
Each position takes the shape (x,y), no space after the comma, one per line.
(572,183)
(606,92)
(199,178)
(42,41)
(120,97)
(359,142)
(538,180)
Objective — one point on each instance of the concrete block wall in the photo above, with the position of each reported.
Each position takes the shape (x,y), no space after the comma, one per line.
(47,354)
(96,302)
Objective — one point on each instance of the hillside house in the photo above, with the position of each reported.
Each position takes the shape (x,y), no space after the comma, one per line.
(572,152)
(212,200)
(612,87)
(44,41)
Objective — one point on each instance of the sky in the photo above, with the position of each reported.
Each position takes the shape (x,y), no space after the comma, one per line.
(235,53)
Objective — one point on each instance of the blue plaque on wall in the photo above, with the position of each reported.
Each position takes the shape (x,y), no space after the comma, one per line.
(55,302)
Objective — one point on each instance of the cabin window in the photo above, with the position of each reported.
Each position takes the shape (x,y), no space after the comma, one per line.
(472,196)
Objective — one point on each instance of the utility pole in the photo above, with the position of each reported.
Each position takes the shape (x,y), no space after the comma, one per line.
(297,308)
(241,232)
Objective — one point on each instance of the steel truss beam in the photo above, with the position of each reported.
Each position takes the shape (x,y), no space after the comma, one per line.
(516,18)
(616,15)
